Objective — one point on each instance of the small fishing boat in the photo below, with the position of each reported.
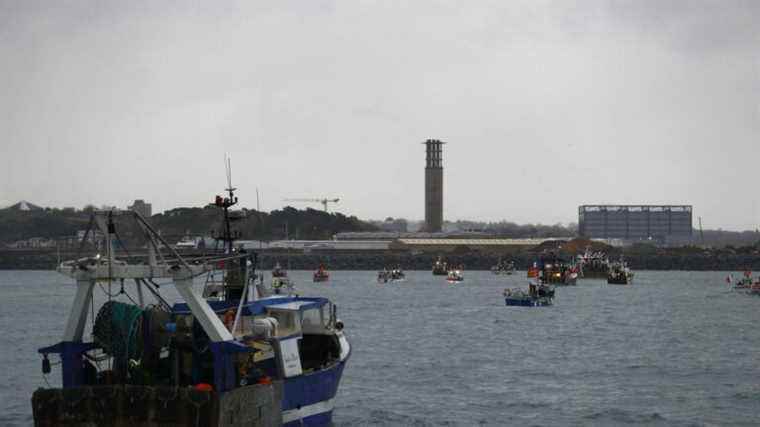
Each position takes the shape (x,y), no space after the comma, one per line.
(282,286)
(440,268)
(393,275)
(551,269)
(741,284)
(746,284)
(538,295)
(620,274)
(503,268)
(321,275)
(278,271)
(455,276)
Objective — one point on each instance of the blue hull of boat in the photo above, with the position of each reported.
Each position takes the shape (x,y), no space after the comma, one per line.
(308,399)
(522,302)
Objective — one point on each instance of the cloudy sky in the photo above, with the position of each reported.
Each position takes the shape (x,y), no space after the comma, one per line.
(546,105)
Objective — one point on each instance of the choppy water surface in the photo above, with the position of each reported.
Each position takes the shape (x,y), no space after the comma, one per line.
(676,348)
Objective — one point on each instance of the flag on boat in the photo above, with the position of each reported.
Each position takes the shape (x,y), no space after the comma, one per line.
(533,272)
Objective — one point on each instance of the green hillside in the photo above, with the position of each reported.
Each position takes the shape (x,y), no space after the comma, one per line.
(49,223)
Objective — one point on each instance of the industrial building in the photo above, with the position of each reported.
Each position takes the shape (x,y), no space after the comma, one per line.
(144,209)
(635,222)
(452,245)
(428,245)
(306,246)
(433,186)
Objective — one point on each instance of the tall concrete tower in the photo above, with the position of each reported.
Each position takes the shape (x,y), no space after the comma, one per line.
(433,186)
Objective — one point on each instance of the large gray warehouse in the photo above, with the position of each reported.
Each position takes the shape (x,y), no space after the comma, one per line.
(634,221)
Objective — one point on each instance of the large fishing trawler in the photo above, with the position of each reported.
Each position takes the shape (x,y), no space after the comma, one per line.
(593,265)
(551,269)
(233,357)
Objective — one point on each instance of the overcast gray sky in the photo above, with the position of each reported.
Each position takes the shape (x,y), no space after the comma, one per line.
(545,105)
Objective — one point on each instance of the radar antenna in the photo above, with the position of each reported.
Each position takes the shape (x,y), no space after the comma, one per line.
(226,203)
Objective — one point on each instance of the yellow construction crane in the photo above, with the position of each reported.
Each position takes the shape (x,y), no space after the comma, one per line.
(324,201)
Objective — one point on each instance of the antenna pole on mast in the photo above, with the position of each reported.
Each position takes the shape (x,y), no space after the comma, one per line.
(258,211)
(226,203)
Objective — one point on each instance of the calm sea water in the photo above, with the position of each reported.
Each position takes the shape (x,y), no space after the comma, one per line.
(676,348)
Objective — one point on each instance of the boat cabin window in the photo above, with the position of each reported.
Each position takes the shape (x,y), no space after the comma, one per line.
(327,313)
(288,322)
(313,321)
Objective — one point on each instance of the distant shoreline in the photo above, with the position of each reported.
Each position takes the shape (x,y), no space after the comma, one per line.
(47,260)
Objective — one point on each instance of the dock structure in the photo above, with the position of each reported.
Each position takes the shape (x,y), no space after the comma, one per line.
(433,185)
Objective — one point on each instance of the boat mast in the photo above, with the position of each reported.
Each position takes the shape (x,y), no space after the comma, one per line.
(236,274)
(258,211)
(225,204)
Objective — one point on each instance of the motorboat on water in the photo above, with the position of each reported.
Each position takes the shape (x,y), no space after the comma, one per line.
(538,295)
(551,269)
(278,271)
(282,286)
(440,267)
(455,276)
(743,283)
(619,274)
(503,268)
(746,284)
(540,291)
(321,275)
(393,275)
(235,355)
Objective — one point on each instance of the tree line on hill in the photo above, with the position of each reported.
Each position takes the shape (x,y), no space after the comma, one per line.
(288,222)
(308,224)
